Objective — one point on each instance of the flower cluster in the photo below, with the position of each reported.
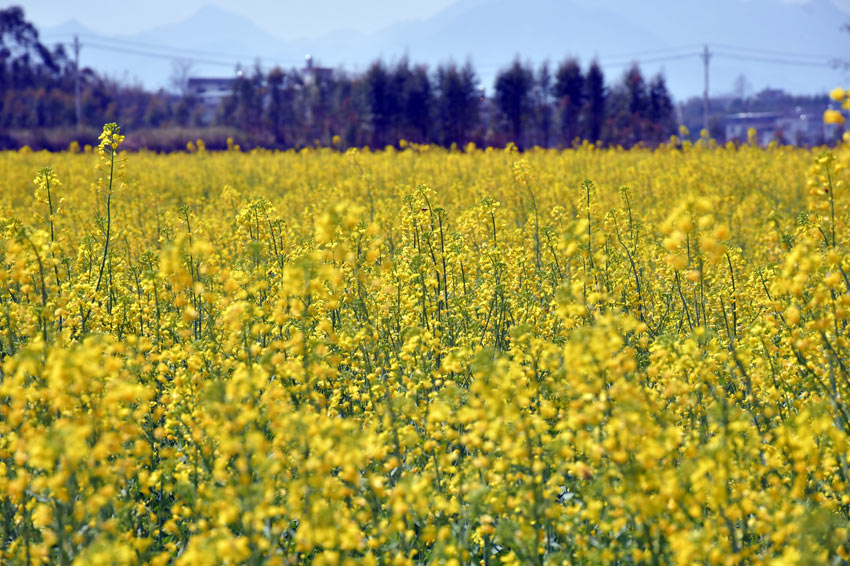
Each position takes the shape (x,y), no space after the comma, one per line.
(832,116)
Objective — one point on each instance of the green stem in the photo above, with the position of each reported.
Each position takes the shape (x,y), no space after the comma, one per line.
(108,220)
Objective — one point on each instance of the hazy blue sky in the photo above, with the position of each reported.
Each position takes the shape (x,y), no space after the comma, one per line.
(285,19)
(291,18)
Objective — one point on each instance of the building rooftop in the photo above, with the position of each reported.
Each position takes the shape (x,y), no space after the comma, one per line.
(754,116)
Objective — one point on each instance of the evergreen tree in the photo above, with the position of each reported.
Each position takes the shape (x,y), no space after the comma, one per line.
(381,100)
(593,110)
(280,113)
(417,105)
(458,104)
(570,95)
(513,96)
(661,111)
(350,110)
(248,91)
(638,102)
(542,95)
(636,87)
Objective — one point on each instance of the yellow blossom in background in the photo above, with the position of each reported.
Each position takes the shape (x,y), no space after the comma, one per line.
(833,117)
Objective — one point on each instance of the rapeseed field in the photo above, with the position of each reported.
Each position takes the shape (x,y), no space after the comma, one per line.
(425,356)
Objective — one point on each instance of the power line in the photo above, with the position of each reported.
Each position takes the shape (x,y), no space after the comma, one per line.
(605,63)
(819,56)
(221,62)
(161,47)
(775,60)
(663,54)
(223,59)
(134,43)
(143,53)
(215,58)
(170,52)
(56,34)
(660,51)
(649,60)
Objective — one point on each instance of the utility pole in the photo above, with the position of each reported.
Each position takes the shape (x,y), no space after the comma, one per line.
(706,56)
(77,77)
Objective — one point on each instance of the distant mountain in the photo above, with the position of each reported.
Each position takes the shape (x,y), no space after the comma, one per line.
(216,30)
(66,29)
(492,32)
(214,39)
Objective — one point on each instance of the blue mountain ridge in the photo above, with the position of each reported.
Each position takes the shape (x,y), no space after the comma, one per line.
(490,33)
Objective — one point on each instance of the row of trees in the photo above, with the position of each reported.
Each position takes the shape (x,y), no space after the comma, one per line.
(379,107)
(389,102)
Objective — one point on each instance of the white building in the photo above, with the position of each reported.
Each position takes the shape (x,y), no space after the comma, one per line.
(209,92)
(795,127)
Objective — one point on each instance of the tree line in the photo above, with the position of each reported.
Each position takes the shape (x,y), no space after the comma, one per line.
(549,106)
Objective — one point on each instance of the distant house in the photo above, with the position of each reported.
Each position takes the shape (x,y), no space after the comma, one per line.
(209,92)
(313,74)
(794,126)
(764,123)
(768,94)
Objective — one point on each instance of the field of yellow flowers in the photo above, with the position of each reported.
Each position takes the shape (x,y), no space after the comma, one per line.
(425,356)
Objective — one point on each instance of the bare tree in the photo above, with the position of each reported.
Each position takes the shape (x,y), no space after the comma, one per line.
(742,87)
(181,70)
